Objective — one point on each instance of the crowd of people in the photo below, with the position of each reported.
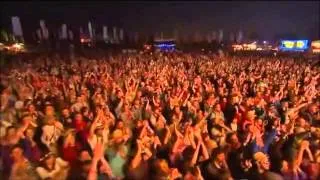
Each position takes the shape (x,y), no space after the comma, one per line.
(161,116)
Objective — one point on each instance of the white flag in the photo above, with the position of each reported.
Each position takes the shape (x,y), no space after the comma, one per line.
(220,35)
(16,26)
(105,32)
(42,24)
(64,31)
(39,34)
(239,37)
(121,35)
(115,33)
(90,30)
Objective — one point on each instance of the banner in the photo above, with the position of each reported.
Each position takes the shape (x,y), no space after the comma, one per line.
(16,26)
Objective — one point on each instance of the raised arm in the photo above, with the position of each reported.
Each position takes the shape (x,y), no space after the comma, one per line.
(167,136)
(21,130)
(97,154)
(94,124)
(195,154)
(204,151)
(298,160)
(118,108)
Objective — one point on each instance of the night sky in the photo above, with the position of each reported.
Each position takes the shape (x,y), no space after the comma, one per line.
(266,18)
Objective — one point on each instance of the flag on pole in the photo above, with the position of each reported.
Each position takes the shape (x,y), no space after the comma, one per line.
(64,31)
(121,35)
(105,32)
(42,24)
(44,30)
(239,37)
(115,33)
(220,35)
(39,34)
(90,30)
(16,26)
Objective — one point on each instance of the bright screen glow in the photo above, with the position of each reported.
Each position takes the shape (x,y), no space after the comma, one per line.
(165,45)
(294,45)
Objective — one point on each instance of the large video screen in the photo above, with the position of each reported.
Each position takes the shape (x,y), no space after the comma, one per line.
(294,45)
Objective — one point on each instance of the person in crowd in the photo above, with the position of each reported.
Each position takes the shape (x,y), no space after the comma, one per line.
(21,167)
(52,167)
(51,132)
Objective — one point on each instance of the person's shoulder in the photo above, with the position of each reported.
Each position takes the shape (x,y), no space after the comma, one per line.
(271,176)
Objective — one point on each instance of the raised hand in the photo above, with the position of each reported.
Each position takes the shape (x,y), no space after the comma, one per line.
(98,151)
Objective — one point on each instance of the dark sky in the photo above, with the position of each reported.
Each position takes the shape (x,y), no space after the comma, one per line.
(266,18)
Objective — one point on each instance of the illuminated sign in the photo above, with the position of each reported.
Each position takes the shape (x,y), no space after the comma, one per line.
(293,45)
(315,44)
(300,44)
(288,44)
